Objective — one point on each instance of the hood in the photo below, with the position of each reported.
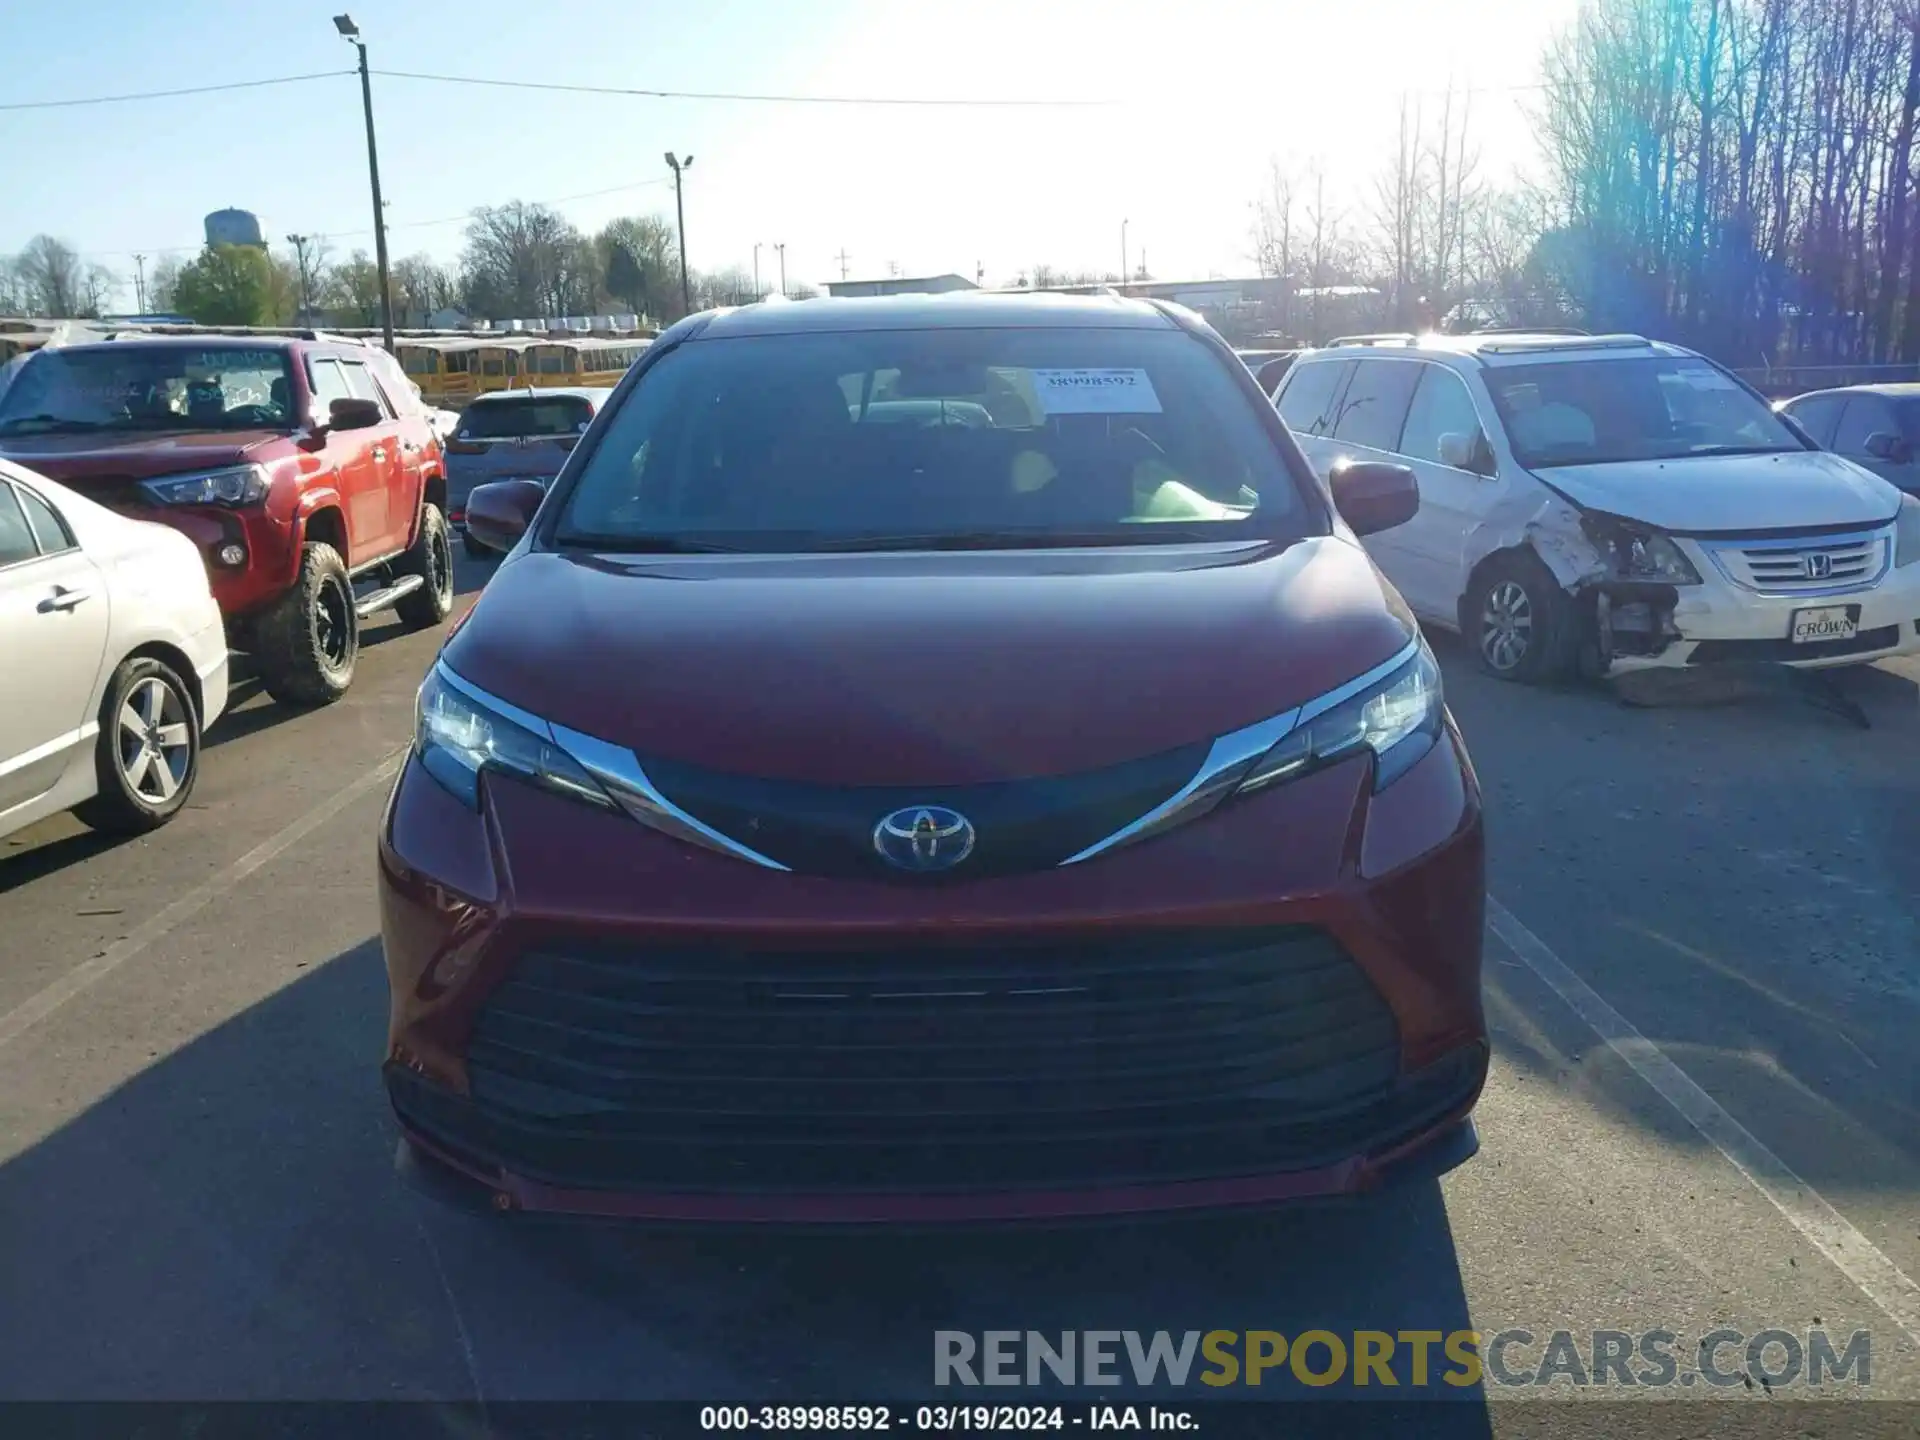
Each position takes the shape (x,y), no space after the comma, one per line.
(945,669)
(137,455)
(1796,490)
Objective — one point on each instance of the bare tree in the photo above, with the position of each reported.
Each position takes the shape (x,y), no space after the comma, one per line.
(523,260)
(163,284)
(53,277)
(1740,173)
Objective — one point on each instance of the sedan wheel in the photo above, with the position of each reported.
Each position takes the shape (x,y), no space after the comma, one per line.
(148,751)
(1506,627)
(155,741)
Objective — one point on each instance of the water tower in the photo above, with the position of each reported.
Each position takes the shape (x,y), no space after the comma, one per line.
(235,227)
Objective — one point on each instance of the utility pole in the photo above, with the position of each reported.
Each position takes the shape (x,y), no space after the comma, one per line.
(680,209)
(1123,252)
(842,258)
(780,248)
(140,283)
(758,294)
(350,31)
(299,243)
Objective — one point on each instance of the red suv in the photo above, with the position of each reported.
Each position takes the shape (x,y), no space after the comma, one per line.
(934,758)
(304,469)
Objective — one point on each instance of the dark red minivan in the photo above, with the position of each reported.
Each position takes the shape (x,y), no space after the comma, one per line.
(934,759)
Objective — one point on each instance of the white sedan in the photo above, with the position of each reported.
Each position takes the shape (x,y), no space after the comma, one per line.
(113,660)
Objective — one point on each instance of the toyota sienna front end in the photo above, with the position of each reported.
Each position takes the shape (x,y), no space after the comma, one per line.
(934,760)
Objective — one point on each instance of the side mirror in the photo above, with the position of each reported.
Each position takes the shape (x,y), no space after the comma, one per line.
(1884,445)
(354,415)
(499,514)
(1371,495)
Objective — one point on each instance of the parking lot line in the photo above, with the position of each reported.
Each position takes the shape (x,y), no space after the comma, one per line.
(32,1011)
(1825,1228)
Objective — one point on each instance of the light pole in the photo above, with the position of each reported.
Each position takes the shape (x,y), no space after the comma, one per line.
(1123,252)
(756,271)
(140,283)
(299,243)
(781,249)
(351,32)
(680,211)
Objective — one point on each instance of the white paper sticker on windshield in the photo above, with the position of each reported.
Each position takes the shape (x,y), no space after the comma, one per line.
(1095,392)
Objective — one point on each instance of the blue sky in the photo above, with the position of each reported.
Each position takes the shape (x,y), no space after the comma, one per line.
(1201,93)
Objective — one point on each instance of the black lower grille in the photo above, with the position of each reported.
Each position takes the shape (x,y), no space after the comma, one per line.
(1177,1056)
(1864,642)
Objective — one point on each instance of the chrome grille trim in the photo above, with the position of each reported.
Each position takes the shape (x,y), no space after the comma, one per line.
(1778,564)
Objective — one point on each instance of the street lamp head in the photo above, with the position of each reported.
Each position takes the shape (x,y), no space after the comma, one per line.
(344,24)
(673,160)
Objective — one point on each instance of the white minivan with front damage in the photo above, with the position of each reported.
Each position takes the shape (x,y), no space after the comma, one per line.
(1610,503)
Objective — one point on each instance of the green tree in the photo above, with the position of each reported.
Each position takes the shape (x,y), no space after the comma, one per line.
(230,285)
(641,263)
(353,290)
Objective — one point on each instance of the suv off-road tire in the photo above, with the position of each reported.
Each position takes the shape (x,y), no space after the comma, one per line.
(129,804)
(1517,594)
(431,558)
(308,641)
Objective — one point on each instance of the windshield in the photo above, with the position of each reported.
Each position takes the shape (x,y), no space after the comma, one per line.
(514,419)
(149,387)
(899,438)
(1592,412)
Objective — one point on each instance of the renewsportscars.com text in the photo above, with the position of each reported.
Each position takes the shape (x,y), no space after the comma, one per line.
(1413,1359)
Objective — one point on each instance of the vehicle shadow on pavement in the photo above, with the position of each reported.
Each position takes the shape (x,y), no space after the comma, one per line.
(22,862)
(471,572)
(1749,878)
(228,1223)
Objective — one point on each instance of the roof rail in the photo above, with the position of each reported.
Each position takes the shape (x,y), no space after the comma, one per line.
(1400,338)
(1529,330)
(1559,342)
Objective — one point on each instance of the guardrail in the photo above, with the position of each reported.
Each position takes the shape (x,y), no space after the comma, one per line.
(1780,381)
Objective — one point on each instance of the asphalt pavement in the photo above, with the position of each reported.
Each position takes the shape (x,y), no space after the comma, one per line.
(1703,975)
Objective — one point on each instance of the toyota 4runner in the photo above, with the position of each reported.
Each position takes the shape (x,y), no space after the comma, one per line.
(305,470)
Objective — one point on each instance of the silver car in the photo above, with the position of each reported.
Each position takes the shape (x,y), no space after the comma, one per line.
(515,435)
(1875,426)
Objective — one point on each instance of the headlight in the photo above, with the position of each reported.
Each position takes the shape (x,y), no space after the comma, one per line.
(456,737)
(1638,554)
(242,485)
(1906,533)
(1397,717)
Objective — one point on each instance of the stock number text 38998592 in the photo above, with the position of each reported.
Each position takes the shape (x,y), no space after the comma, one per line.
(925,1419)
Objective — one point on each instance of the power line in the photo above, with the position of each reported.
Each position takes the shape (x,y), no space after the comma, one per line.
(916,100)
(170,94)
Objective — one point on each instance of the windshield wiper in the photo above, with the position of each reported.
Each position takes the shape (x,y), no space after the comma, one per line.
(1011,539)
(49,422)
(1739,450)
(645,544)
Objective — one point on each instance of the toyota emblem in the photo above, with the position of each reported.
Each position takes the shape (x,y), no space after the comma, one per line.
(923,838)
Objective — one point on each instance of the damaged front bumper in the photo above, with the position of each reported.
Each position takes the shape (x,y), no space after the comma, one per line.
(1644,624)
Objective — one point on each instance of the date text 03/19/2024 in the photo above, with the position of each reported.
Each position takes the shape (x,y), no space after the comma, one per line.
(943,1419)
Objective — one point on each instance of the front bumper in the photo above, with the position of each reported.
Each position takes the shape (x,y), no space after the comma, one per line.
(1280,1001)
(1720,622)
